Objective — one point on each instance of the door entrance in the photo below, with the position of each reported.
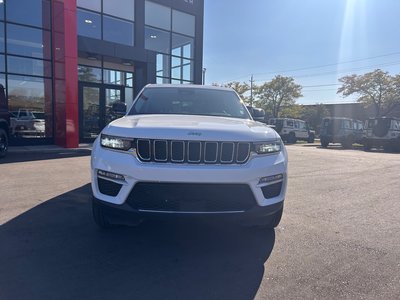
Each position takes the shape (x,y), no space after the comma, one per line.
(96,108)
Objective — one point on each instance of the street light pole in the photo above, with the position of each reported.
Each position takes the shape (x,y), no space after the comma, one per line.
(204,76)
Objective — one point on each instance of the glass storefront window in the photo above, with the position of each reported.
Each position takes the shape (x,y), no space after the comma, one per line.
(183,23)
(157,15)
(161,80)
(89,4)
(29,12)
(89,74)
(128,97)
(113,77)
(129,79)
(120,8)
(157,40)
(89,24)
(2,64)
(30,105)
(2,10)
(162,65)
(1,36)
(28,41)
(176,72)
(28,66)
(182,46)
(117,31)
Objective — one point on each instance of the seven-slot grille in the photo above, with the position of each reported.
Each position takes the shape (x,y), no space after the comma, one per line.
(193,152)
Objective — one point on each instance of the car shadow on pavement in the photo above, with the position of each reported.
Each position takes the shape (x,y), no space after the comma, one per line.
(13,157)
(54,251)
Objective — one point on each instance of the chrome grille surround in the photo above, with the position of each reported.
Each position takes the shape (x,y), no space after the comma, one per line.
(192,152)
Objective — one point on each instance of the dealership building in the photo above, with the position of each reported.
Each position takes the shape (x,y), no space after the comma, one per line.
(64,63)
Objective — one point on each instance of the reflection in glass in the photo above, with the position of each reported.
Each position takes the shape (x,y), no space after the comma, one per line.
(183,23)
(120,8)
(182,46)
(117,31)
(89,74)
(91,114)
(1,35)
(157,15)
(30,12)
(28,66)
(162,65)
(27,41)
(2,64)
(89,24)
(128,97)
(113,77)
(89,4)
(157,40)
(30,105)
(112,96)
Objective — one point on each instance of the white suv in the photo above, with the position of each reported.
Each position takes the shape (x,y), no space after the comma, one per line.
(292,130)
(188,150)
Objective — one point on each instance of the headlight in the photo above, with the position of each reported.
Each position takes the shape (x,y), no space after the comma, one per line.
(268,147)
(114,142)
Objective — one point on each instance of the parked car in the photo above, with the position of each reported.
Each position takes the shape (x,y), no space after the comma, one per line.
(4,123)
(188,150)
(292,130)
(25,122)
(382,132)
(258,114)
(345,131)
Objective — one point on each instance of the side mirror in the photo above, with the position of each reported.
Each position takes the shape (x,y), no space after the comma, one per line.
(119,108)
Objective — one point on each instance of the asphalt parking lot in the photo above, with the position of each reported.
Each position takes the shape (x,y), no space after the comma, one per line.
(339,237)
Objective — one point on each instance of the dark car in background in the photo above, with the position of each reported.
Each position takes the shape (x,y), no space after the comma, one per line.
(345,131)
(382,132)
(4,123)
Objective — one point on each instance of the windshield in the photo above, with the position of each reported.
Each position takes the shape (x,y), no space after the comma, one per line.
(189,101)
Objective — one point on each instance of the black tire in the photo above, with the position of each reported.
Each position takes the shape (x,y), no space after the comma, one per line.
(311,139)
(3,143)
(99,216)
(348,143)
(324,143)
(292,138)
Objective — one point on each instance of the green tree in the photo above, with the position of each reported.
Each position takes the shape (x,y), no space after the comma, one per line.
(242,88)
(294,111)
(278,93)
(376,88)
(313,115)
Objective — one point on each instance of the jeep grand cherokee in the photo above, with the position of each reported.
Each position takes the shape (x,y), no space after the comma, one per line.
(188,150)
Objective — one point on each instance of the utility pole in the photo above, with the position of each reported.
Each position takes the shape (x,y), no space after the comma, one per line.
(204,76)
(251,91)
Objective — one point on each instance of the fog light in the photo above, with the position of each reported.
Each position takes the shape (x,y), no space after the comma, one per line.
(272,178)
(110,175)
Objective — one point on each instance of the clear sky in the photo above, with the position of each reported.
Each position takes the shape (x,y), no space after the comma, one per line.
(270,37)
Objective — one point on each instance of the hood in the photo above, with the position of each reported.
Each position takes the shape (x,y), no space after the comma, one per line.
(190,127)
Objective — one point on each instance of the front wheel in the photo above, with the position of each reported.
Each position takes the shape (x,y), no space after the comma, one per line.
(324,143)
(292,138)
(3,143)
(311,139)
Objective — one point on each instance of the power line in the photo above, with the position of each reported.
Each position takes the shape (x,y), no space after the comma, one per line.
(320,66)
(340,72)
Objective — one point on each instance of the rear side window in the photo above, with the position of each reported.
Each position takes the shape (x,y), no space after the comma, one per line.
(289,123)
(346,124)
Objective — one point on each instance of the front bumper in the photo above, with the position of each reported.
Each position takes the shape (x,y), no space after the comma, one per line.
(135,171)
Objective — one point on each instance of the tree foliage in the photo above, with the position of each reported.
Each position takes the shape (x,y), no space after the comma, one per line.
(376,88)
(280,92)
(242,88)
